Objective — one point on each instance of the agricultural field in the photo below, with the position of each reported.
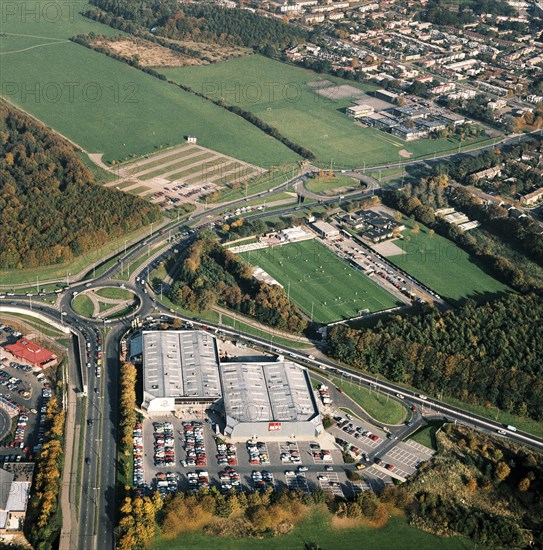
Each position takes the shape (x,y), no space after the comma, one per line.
(306,107)
(320,282)
(182,174)
(442,266)
(112,109)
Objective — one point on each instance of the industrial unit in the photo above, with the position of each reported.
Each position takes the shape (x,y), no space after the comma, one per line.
(263,400)
(179,367)
(269,401)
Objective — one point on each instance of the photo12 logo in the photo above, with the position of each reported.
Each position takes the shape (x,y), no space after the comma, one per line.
(69,92)
(253,92)
(37,12)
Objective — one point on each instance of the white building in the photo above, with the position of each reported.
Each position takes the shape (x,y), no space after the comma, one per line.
(358,111)
(324,229)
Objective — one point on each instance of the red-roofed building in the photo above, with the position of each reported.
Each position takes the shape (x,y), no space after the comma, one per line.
(29,351)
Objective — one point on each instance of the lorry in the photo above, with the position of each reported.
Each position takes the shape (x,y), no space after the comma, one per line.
(512,428)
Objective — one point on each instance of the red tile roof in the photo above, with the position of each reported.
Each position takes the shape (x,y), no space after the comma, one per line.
(30,351)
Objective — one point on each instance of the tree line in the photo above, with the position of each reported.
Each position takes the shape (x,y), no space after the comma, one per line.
(48,201)
(441,12)
(204,23)
(486,354)
(210,274)
(43,519)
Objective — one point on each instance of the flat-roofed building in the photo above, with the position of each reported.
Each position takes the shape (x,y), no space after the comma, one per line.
(269,401)
(15,484)
(358,111)
(324,229)
(179,367)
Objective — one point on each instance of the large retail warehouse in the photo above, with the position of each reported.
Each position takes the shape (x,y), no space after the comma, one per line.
(179,367)
(269,401)
(264,400)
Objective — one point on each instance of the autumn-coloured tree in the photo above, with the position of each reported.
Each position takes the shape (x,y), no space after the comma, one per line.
(501,471)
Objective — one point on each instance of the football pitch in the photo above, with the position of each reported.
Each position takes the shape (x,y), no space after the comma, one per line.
(320,282)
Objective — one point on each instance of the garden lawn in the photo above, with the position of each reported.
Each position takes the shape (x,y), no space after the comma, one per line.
(379,406)
(320,184)
(83,305)
(115,293)
(319,282)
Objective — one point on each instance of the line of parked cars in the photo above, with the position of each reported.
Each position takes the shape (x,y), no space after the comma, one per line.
(167,482)
(194,444)
(138,456)
(291,455)
(258,452)
(351,429)
(7,329)
(262,480)
(198,479)
(229,479)
(226,454)
(164,449)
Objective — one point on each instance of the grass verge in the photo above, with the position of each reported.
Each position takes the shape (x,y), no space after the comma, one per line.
(427,434)
(381,407)
(317,531)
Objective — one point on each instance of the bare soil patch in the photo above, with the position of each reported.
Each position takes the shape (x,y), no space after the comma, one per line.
(210,53)
(147,53)
(320,84)
(340,92)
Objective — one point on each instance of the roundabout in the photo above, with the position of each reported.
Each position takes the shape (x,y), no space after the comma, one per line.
(105,303)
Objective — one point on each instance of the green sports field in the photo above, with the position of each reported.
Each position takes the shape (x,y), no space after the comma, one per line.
(104,105)
(443,266)
(320,281)
(282,96)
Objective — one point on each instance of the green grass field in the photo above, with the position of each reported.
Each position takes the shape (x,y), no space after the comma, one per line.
(323,184)
(115,293)
(427,434)
(279,94)
(112,108)
(380,407)
(443,266)
(83,305)
(320,281)
(316,531)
